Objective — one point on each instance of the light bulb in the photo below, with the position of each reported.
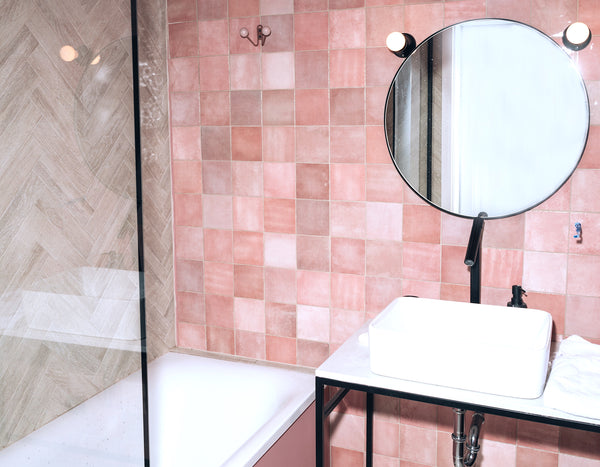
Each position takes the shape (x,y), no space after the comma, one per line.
(266,31)
(68,53)
(244,32)
(577,36)
(395,41)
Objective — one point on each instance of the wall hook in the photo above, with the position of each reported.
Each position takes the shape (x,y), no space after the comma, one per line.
(262,32)
(578,232)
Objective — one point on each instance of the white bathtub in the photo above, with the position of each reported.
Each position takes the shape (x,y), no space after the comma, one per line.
(204,412)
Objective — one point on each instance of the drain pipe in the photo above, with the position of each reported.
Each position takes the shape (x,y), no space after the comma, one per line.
(460,441)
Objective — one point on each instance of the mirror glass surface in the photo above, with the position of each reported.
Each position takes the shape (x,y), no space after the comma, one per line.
(487,116)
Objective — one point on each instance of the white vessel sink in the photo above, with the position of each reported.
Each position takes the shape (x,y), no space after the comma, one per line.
(486,348)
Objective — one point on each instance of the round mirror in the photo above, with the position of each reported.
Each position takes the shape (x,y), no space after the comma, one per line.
(487,116)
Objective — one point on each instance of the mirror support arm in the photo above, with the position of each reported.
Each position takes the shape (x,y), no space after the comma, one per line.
(473,256)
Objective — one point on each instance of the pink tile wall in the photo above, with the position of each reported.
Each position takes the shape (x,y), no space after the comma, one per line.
(292,227)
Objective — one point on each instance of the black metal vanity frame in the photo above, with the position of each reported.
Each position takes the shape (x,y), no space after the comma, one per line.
(324,408)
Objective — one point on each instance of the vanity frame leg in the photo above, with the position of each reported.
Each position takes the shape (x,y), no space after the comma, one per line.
(320,421)
(369,433)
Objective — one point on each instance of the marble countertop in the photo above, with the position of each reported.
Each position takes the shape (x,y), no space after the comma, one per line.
(350,364)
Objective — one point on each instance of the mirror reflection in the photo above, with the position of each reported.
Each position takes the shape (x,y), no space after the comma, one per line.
(487,116)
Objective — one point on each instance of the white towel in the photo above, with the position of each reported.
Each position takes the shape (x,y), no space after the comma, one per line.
(574,382)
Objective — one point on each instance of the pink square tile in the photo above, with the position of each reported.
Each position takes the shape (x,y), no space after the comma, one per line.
(377,151)
(455,230)
(279,180)
(312,217)
(341,457)
(187,209)
(276,7)
(344,323)
(593,89)
(526,456)
(313,288)
(583,272)
(311,69)
(455,12)
(348,255)
(278,144)
(181,10)
(588,13)
(456,293)
(551,17)
(190,307)
(248,248)
(249,314)
(185,108)
(189,243)
(383,183)
(191,336)
(280,319)
(278,70)
(387,441)
(507,233)
(237,44)
(380,291)
(311,31)
(183,40)
(581,315)
(579,443)
(280,216)
(250,344)
(212,9)
(248,213)
(247,178)
(340,4)
(186,143)
(216,177)
(280,285)
(381,22)
(312,144)
(348,144)
(347,68)
(246,144)
(189,276)
(184,74)
(311,353)
(187,177)
(216,143)
(220,340)
(384,221)
(537,435)
(310,5)
(244,8)
(349,431)
(425,289)
(312,323)
(312,181)
(348,291)
(312,252)
(502,429)
(421,261)
(585,190)
(246,108)
(218,278)
(218,245)
(207,31)
(543,272)
(214,73)
(418,414)
(248,281)
(503,268)
(375,103)
(245,71)
(218,212)
(552,303)
(411,436)
(384,258)
(214,108)
(591,156)
(421,224)
(510,9)
(348,219)
(347,29)
(282,33)
(348,182)
(381,68)
(281,349)
(278,107)
(423,20)
(312,107)
(547,231)
(453,267)
(280,250)
(347,106)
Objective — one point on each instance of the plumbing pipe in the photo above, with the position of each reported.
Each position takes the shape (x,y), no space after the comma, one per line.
(473,438)
(460,441)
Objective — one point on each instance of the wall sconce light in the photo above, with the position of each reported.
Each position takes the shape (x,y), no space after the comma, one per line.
(261,34)
(401,44)
(577,36)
